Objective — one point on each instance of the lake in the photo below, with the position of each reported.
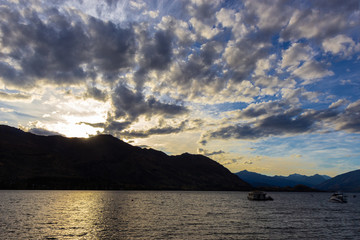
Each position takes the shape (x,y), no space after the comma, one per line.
(175,215)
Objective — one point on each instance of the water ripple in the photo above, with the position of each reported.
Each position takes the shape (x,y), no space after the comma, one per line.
(174,215)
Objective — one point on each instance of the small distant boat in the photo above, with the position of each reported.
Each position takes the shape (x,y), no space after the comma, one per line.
(338,198)
(259,196)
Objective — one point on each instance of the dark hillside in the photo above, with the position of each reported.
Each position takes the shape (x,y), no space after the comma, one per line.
(347,182)
(29,161)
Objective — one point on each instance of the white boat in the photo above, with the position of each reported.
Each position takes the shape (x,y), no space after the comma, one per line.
(338,198)
(259,196)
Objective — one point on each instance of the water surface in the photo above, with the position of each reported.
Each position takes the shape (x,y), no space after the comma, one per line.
(174,215)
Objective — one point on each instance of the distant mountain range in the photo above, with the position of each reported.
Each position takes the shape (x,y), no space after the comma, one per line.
(29,161)
(259,180)
(347,182)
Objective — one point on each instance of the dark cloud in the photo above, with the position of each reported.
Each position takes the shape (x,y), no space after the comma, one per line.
(115,126)
(200,73)
(349,120)
(243,56)
(111,126)
(237,131)
(52,50)
(158,51)
(285,123)
(204,11)
(9,73)
(155,131)
(209,53)
(291,121)
(340,6)
(155,54)
(113,47)
(132,104)
(207,153)
(111,3)
(93,92)
(62,48)
(253,112)
(275,125)
(265,108)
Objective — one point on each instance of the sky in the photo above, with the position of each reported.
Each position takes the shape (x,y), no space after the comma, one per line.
(267,86)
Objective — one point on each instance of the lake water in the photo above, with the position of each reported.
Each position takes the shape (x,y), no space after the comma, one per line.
(175,215)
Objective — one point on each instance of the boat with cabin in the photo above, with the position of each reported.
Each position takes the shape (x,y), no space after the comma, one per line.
(259,196)
(338,198)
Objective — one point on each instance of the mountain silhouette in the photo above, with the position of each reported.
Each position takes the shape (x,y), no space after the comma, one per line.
(29,161)
(346,182)
(260,180)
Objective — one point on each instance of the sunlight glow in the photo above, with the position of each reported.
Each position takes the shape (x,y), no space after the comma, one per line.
(74,129)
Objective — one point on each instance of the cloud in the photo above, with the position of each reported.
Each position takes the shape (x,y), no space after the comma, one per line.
(262,110)
(204,30)
(311,71)
(229,18)
(93,92)
(338,103)
(341,45)
(349,120)
(320,20)
(259,59)
(298,60)
(113,126)
(199,76)
(112,47)
(157,51)
(5,96)
(131,104)
(269,17)
(271,126)
(155,54)
(242,56)
(298,95)
(160,130)
(295,55)
(207,153)
(61,48)
(276,119)
(264,120)
(7,110)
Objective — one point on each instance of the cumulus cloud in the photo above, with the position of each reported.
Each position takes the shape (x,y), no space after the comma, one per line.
(131,104)
(295,55)
(341,45)
(142,57)
(318,22)
(61,49)
(204,30)
(242,57)
(311,71)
